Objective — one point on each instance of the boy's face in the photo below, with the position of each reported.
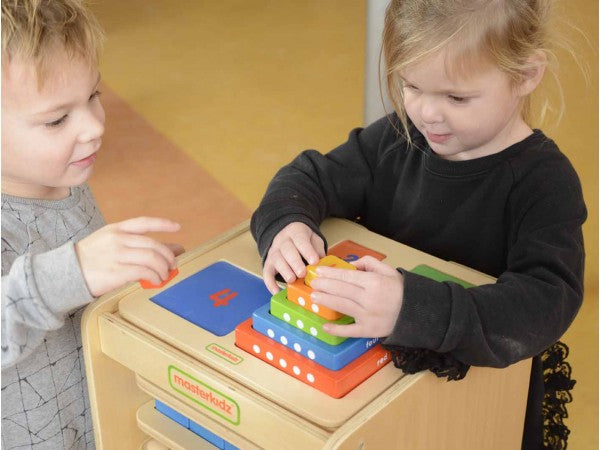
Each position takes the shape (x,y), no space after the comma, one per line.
(463,117)
(50,136)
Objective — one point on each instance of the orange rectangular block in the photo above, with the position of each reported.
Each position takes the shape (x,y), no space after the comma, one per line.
(299,293)
(148,285)
(351,251)
(335,383)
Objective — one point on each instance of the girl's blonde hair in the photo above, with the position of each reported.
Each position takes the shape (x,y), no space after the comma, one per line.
(505,33)
(33,30)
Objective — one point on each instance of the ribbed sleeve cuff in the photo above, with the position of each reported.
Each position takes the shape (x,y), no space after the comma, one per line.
(425,315)
(59,279)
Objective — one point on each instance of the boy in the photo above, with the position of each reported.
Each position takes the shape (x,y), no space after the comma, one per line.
(57,255)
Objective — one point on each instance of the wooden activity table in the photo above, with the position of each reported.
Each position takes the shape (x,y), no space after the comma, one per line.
(136,352)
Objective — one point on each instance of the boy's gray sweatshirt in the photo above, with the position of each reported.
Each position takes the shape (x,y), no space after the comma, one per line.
(44,394)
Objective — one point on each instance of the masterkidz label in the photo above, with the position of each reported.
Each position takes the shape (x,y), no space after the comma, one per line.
(206,396)
(224,353)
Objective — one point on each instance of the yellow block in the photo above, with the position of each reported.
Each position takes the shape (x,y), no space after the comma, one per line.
(330,261)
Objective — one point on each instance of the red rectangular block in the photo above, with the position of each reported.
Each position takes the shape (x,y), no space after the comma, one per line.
(335,383)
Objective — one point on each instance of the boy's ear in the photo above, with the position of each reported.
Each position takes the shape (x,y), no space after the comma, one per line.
(534,74)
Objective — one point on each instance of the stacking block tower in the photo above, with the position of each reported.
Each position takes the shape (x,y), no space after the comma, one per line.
(287,333)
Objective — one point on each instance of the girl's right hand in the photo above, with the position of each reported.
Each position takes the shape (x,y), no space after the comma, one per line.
(120,252)
(294,242)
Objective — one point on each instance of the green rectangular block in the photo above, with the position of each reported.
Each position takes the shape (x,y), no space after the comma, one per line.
(436,275)
(305,320)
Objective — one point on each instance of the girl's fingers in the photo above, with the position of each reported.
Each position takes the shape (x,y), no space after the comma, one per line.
(290,253)
(282,268)
(318,244)
(352,330)
(355,277)
(306,249)
(370,264)
(337,303)
(337,287)
(141,225)
(269,279)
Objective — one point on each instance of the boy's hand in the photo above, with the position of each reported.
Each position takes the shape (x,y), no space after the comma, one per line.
(119,253)
(372,295)
(291,244)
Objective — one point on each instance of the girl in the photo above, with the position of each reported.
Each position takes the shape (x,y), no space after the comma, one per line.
(455,171)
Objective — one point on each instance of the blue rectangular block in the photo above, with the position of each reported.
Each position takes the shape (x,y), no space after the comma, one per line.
(217,298)
(333,357)
(211,437)
(207,435)
(172,414)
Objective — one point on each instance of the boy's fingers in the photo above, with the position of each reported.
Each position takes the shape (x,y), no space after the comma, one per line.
(148,258)
(175,248)
(140,225)
(134,272)
(141,241)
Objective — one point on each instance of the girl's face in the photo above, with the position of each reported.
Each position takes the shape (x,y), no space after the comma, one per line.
(50,136)
(463,117)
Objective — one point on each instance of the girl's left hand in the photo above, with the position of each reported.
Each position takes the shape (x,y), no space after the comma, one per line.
(372,295)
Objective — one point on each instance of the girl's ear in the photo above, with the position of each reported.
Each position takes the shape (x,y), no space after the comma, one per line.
(533,74)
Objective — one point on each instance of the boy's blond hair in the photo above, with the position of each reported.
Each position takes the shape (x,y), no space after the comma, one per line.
(505,33)
(33,30)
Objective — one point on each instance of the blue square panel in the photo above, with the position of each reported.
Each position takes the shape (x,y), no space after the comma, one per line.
(217,298)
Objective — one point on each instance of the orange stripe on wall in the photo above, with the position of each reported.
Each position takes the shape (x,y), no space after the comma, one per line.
(140,172)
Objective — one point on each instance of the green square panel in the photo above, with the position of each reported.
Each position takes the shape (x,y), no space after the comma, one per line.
(436,275)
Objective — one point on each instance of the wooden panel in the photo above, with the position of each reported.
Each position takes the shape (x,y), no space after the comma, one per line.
(136,350)
(422,412)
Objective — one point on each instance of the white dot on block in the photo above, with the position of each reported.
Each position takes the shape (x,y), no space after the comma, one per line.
(286,317)
(270,356)
(315,308)
(311,354)
(297,347)
(283,340)
(256,348)
(310,377)
(301,301)
(283,363)
(296,370)
(300,324)
(271,333)
(313,331)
